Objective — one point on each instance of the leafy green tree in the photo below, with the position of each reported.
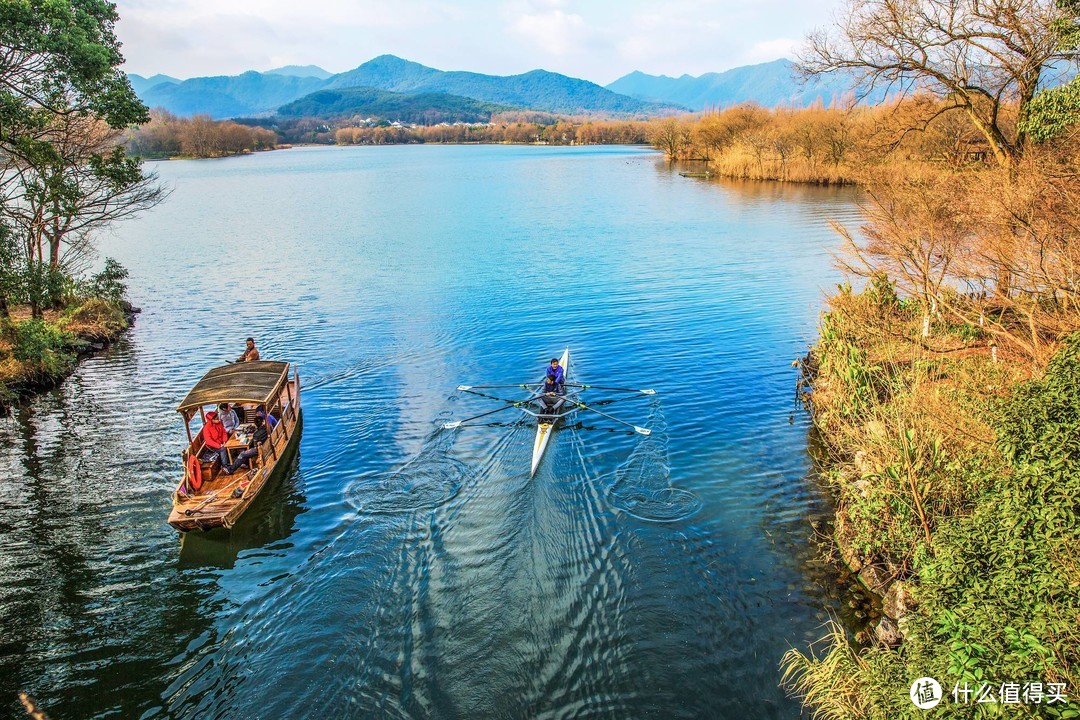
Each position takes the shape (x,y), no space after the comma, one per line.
(60,58)
(60,82)
(1053,111)
(11,270)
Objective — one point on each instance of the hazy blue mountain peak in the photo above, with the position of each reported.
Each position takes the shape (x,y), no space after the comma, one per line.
(300,71)
(769,84)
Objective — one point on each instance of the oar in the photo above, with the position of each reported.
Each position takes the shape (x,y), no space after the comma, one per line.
(458,423)
(602,387)
(469,390)
(639,430)
(209,498)
(492,387)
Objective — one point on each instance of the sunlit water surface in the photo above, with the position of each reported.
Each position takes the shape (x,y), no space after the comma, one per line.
(404,571)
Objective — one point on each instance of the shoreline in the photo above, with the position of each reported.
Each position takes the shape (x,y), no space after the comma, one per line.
(82,338)
(949,482)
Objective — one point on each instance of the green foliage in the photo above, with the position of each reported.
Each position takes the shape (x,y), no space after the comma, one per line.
(109,283)
(1053,111)
(425,108)
(998,591)
(855,383)
(11,267)
(882,292)
(1041,424)
(61,54)
(42,349)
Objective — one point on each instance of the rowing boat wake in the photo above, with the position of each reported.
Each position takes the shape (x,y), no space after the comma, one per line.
(642,485)
(430,479)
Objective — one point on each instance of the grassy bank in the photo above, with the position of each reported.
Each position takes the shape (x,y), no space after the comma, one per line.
(956,470)
(39,353)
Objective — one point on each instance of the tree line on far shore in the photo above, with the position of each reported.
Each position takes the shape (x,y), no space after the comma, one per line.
(817,144)
(502,130)
(167,135)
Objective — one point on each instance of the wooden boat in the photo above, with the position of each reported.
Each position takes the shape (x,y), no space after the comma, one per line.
(207,498)
(547,419)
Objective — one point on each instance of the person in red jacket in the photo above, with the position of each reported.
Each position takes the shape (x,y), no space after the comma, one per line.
(214,436)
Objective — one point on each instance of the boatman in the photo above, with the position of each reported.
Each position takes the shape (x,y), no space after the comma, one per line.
(554,388)
(251,354)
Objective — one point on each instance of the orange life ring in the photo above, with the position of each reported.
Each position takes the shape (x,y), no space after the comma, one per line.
(195,472)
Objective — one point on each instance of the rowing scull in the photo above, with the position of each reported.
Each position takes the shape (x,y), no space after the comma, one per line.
(545,424)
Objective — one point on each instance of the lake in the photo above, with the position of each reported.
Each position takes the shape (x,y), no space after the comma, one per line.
(402,570)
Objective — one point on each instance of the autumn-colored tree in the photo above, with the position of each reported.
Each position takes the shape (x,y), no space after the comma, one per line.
(671,136)
(977,56)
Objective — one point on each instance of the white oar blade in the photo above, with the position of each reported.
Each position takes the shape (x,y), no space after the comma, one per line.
(648,392)
(464,387)
(642,431)
(451,425)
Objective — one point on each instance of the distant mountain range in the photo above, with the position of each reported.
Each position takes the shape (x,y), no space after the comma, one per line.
(420,108)
(289,90)
(259,94)
(141,84)
(769,84)
(534,90)
(225,96)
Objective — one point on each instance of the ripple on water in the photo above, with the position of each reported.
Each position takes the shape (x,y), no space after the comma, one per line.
(429,480)
(642,485)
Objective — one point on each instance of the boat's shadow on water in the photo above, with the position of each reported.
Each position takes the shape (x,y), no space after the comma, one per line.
(270,519)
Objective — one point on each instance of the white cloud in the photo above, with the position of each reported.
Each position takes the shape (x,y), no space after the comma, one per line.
(555,32)
(594,39)
(767,50)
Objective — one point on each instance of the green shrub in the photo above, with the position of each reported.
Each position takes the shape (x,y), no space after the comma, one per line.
(42,349)
(998,589)
(95,319)
(109,283)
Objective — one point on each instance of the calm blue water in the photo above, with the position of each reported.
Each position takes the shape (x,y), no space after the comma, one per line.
(405,571)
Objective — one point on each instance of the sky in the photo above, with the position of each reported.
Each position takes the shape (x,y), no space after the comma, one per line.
(598,40)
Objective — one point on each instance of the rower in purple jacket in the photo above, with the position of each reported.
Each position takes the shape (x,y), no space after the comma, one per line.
(554,388)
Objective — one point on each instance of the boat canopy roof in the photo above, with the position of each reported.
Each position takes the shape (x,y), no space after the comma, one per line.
(247,382)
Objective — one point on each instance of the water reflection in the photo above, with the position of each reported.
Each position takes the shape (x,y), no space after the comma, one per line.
(399,571)
(270,519)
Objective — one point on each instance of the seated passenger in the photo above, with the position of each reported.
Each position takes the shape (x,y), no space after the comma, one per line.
(228,417)
(214,437)
(554,388)
(258,438)
(271,421)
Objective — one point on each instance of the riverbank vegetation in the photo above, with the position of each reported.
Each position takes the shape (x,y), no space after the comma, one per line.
(64,177)
(167,136)
(506,129)
(946,392)
(828,146)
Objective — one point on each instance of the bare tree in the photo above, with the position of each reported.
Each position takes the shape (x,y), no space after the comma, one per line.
(978,55)
(60,198)
(672,136)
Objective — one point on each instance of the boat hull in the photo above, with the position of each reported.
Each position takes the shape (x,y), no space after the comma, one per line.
(216,506)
